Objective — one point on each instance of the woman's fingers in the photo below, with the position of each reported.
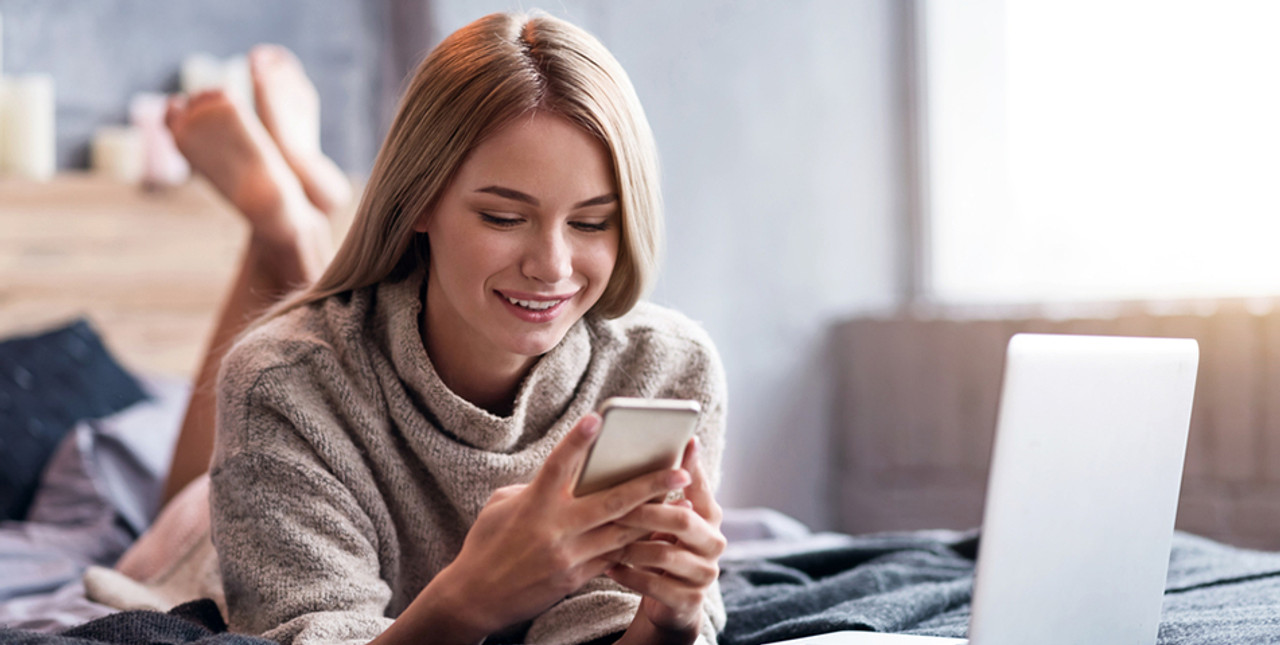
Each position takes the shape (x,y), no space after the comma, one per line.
(556,480)
(505,493)
(609,540)
(600,508)
(675,565)
(616,502)
(682,522)
(606,506)
(667,590)
(658,556)
(561,469)
(540,543)
(699,491)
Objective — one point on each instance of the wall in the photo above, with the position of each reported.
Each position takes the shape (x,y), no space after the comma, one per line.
(781,129)
(921,394)
(102,52)
(781,133)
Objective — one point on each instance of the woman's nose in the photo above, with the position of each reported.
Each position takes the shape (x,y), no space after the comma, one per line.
(549,259)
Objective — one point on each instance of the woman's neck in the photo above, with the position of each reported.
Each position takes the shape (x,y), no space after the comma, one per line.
(494,392)
(490,382)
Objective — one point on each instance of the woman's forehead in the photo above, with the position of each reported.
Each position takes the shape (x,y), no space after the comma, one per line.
(543,156)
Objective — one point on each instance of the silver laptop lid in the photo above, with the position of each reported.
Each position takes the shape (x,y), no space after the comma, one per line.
(1083,491)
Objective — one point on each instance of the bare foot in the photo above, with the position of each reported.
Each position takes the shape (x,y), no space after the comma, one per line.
(227,145)
(289,107)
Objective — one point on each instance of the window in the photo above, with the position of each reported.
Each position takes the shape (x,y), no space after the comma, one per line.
(1100,149)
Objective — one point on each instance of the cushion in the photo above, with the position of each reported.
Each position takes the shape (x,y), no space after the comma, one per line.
(48,382)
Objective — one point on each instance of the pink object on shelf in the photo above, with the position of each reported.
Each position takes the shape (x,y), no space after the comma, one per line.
(163,164)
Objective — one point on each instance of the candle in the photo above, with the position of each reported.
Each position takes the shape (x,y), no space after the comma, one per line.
(30,144)
(117,153)
(4,123)
(2,97)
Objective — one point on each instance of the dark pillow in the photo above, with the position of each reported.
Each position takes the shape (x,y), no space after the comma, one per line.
(48,382)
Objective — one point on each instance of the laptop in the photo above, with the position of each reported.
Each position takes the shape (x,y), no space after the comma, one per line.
(1082,494)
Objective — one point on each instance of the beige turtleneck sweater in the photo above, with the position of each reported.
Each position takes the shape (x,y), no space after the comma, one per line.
(346,474)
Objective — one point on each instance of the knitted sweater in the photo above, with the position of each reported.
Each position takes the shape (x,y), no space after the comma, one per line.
(346,474)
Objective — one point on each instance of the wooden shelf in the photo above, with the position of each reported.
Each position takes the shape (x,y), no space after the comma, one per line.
(148,268)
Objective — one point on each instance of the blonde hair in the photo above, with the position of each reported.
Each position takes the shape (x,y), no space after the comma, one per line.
(472,84)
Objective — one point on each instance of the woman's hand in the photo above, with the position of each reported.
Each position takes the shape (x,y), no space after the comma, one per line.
(534,544)
(677,564)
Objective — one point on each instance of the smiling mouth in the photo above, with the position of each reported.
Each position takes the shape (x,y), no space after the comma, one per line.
(534,305)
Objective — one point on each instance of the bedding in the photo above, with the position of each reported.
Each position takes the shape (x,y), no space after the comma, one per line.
(788,583)
(100,489)
(921,583)
(193,622)
(48,382)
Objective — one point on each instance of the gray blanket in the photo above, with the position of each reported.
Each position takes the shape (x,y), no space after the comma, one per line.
(921,583)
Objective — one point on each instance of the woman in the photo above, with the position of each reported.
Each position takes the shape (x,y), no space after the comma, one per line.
(400,439)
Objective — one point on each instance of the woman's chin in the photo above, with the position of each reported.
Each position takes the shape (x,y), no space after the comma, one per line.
(535,347)
(538,342)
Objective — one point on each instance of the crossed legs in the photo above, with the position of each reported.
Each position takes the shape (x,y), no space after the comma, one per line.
(270,168)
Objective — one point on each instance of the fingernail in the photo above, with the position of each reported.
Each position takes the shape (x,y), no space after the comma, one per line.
(590,425)
(679,479)
(697,445)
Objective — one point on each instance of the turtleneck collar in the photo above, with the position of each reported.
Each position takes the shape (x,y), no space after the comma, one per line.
(541,399)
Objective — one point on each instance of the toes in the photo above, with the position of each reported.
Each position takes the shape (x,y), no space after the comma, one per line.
(260,59)
(205,97)
(263,58)
(174,108)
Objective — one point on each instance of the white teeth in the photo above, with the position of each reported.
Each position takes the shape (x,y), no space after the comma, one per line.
(536,305)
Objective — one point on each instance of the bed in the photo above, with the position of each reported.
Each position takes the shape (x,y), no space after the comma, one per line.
(92,270)
(780,580)
(131,295)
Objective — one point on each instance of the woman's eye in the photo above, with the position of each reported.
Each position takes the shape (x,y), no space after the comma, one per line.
(591,227)
(497,220)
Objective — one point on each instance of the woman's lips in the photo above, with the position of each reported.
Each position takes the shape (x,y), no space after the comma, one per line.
(532,308)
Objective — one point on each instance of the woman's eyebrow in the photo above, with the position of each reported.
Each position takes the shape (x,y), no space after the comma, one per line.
(598,201)
(511,193)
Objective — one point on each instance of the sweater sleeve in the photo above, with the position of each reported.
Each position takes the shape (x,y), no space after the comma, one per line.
(298,556)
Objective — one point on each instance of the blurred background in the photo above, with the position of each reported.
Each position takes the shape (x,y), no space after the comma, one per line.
(864,198)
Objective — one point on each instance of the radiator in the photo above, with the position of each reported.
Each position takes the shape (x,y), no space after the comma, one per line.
(917,395)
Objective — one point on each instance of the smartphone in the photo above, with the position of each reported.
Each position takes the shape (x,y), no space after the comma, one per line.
(639,436)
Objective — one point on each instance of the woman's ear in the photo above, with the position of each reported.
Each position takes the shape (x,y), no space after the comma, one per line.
(420,224)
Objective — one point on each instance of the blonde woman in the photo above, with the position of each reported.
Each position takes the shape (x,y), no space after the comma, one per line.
(397,443)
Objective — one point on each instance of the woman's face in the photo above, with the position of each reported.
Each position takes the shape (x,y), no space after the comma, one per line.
(522,242)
